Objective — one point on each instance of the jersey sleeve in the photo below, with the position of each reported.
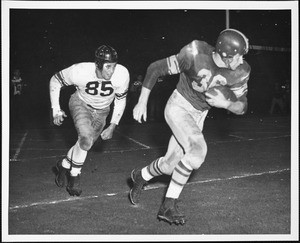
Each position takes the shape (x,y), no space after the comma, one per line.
(240,88)
(120,99)
(154,71)
(65,76)
(181,61)
(59,80)
(171,65)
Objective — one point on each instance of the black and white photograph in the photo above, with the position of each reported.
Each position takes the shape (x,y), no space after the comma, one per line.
(150,121)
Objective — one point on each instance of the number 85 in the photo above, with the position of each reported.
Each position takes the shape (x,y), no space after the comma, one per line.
(106,88)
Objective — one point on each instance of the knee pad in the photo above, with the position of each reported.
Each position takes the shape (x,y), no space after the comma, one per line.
(85,142)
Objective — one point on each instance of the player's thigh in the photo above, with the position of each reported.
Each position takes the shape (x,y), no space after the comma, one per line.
(182,124)
(186,124)
(99,121)
(82,116)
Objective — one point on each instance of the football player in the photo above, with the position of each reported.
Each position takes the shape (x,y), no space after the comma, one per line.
(17,82)
(201,67)
(98,84)
(18,100)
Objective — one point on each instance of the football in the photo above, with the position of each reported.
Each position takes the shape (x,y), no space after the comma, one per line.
(228,93)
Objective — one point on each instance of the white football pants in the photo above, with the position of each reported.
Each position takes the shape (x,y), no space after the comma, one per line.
(187,142)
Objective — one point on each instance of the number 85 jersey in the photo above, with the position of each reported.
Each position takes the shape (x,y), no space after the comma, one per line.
(98,93)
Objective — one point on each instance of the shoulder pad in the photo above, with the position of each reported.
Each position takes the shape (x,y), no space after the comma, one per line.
(196,47)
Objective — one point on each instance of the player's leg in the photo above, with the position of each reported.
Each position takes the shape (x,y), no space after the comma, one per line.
(162,165)
(99,121)
(82,117)
(186,124)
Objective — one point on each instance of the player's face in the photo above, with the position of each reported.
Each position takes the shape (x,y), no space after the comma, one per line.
(235,61)
(107,70)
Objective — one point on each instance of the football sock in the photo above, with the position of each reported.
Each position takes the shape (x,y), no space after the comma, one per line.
(179,178)
(75,171)
(77,157)
(66,163)
(151,170)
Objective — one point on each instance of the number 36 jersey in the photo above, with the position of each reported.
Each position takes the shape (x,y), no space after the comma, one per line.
(98,93)
(198,73)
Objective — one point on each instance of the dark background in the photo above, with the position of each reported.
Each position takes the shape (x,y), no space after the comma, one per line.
(44,41)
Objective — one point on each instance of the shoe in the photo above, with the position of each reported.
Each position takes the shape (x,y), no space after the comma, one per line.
(73,186)
(138,184)
(60,177)
(169,212)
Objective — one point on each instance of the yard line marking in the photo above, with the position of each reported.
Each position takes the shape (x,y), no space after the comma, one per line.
(230,135)
(19,147)
(145,188)
(105,152)
(224,179)
(248,139)
(51,202)
(135,141)
(60,201)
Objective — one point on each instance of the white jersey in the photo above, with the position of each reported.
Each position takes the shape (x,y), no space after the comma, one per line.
(98,93)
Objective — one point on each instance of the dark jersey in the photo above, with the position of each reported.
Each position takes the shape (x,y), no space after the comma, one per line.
(198,73)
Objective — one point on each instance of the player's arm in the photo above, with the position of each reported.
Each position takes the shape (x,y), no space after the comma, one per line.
(57,82)
(168,66)
(238,107)
(240,90)
(154,70)
(163,67)
(119,107)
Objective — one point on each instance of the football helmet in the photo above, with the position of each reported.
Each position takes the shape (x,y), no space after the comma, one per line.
(105,54)
(231,42)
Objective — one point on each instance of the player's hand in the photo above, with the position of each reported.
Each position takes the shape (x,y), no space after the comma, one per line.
(139,112)
(58,118)
(108,132)
(217,100)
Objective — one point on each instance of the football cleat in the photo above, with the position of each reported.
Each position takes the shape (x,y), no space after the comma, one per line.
(60,178)
(138,184)
(73,186)
(169,212)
